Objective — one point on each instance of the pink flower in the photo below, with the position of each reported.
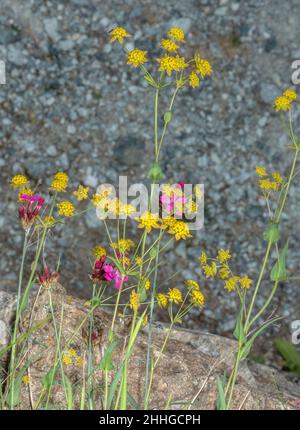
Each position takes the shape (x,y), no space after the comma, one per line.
(174,204)
(31,210)
(109,272)
(118,279)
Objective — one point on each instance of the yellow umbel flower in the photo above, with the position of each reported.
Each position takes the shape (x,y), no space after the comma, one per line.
(203,258)
(176,33)
(65,208)
(147,284)
(197,298)
(134,301)
(82,193)
(123,245)
(277,178)
(27,191)
(282,103)
(231,283)
(148,221)
(223,255)
(60,182)
(224,273)
(245,282)
(26,379)
(290,94)
(49,220)
(118,34)
(180,230)
(79,362)
(168,45)
(210,270)
(96,199)
(203,66)
(72,352)
(98,251)
(194,80)
(175,295)
(162,300)
(169,64)
(18,181)
(266,184)
(138,260)
(191,284)
(136,57)
(261,171)
(67,360)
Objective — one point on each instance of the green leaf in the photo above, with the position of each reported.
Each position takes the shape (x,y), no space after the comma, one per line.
(106,361)
(278,273)
(248,345)
(239,328)
(143,294)
(272,233)
(48,379)
(290,354)
(69,392)
(14,394)
(221,401)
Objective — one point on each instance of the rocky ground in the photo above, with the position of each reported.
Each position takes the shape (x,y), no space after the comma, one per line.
(71,103)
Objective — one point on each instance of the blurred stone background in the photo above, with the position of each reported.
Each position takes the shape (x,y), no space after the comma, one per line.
(71,103)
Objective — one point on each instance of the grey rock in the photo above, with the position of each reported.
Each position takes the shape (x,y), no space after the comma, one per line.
(16,55)
(9,35)
(51,151)
(91,220)
(268,93)
(51,28)
(66,45)
(35,168)
(184,23)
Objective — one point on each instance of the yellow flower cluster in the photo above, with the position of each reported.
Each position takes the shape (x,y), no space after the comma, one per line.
(174,295)
(202,66)
(60,182)
(65,208)
(176,33)
(98,251)
(194,80)
(19,181)
(71,357)
(285,101)
(270,182)
(148,221)
(82,193)
(26,379)
(123,245)
(169,64)
(169,45)
(136,57)
(118,34)
(162,300)
(196,296)
(223,255)
(134,301)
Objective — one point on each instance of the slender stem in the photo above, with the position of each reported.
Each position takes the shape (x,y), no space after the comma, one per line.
(262,271)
